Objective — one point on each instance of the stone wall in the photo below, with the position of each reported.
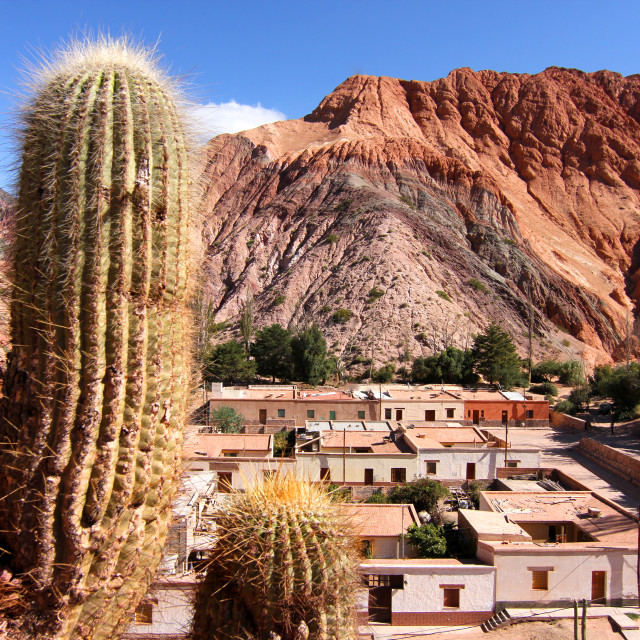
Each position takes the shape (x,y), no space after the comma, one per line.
(622,464)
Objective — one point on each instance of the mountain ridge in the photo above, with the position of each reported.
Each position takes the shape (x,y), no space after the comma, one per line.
(527,184)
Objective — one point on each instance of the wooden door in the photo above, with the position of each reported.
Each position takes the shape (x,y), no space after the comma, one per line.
(368,476)
(471,470)
(598,587)
(224,481)
(476,416)
(430,415)
(399,414)
(263,416)
(380,604)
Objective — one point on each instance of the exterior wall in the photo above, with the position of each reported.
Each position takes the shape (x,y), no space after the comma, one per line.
(452,462)
(309,465)
(297,409)
(390,547)
(171,615)
(622,464)
(516,410)
(570,578)
(244,470)
(563,421)
(415,409)
(421,602)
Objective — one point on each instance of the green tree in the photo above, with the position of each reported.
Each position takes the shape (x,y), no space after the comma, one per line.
(422,493)
(272,352)
(622,385)
(228,362)
(310,361)
(428,539)
(451,366)
(385,373)
(495,357)
(228,419)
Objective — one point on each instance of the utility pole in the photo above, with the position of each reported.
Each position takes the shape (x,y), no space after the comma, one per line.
(584,619)
(575,620)
(628,339)
(506,441)
(530,308)
(344,456)
(638,561)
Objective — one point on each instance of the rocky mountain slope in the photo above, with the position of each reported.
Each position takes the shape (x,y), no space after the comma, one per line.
(461,200)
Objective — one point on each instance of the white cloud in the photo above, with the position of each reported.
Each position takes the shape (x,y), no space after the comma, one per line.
(230,117)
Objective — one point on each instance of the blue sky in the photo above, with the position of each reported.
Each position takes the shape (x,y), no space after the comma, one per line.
(286,56)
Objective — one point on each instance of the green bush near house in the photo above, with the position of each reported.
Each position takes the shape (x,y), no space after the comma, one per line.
(228,419)
(428,539)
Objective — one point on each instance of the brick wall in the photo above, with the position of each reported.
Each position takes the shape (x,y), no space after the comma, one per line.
(439,618)
(623,465)
(563,421)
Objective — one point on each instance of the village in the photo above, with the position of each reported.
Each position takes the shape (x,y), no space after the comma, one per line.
(541,511)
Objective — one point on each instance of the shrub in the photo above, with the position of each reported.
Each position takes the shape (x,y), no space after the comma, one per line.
(279,299)
(476,285)
(428,539)
(444,295)
(227,419)
(326,308)
(407,201)
(385,373)
(423,494)
(544,389)
(342,316)
(343,205)
(404,305)
(375,293)
(332,238)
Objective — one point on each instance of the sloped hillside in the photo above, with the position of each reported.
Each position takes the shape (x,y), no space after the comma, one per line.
(459,199)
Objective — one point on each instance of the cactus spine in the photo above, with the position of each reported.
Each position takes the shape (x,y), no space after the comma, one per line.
(91,425)
(284,563)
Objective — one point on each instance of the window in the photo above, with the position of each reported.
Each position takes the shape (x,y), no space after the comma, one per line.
(268,473)
(360,415)
(332,415)
(469,413)
(230,454)
(540,579)
(451,597)
(363,450)
(450,413)
(311,413)
(399,413)
(366,548)
(325,474)
(512,463)
(432,468)
(395,581)
(398,475)
(529,414)
(430,415)
(387,414)
(482,413)
(280,413)
(144,613)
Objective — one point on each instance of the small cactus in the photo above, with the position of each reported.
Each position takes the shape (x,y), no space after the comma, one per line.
(95,387)
(284,565)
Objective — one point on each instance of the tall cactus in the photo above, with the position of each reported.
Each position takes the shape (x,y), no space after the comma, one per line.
(284,563)
(95,387)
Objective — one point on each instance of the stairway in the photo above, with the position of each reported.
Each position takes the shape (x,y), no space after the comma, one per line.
(501,619)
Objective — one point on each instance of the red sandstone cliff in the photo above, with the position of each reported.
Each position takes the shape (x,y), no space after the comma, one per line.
(455,197)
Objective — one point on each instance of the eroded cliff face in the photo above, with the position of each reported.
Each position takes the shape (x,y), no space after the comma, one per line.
(462,199)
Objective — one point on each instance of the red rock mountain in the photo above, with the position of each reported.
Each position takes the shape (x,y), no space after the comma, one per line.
(455,198)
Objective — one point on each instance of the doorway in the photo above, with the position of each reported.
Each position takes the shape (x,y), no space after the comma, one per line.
(262,413)
(368,476)
(430,415)
(471,470)
(379,599)
(399,414)
(598,587)
(476,416)
(225,479)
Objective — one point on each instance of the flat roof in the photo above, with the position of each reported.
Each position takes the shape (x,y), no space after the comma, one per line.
(437,436)
(377,441)
(489,524)
(213,444)
(614,525)
(381,520)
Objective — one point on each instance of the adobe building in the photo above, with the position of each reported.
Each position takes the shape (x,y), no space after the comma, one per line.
(497,408)
(552,547)
(427,592)
(382,528)
(450,452)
